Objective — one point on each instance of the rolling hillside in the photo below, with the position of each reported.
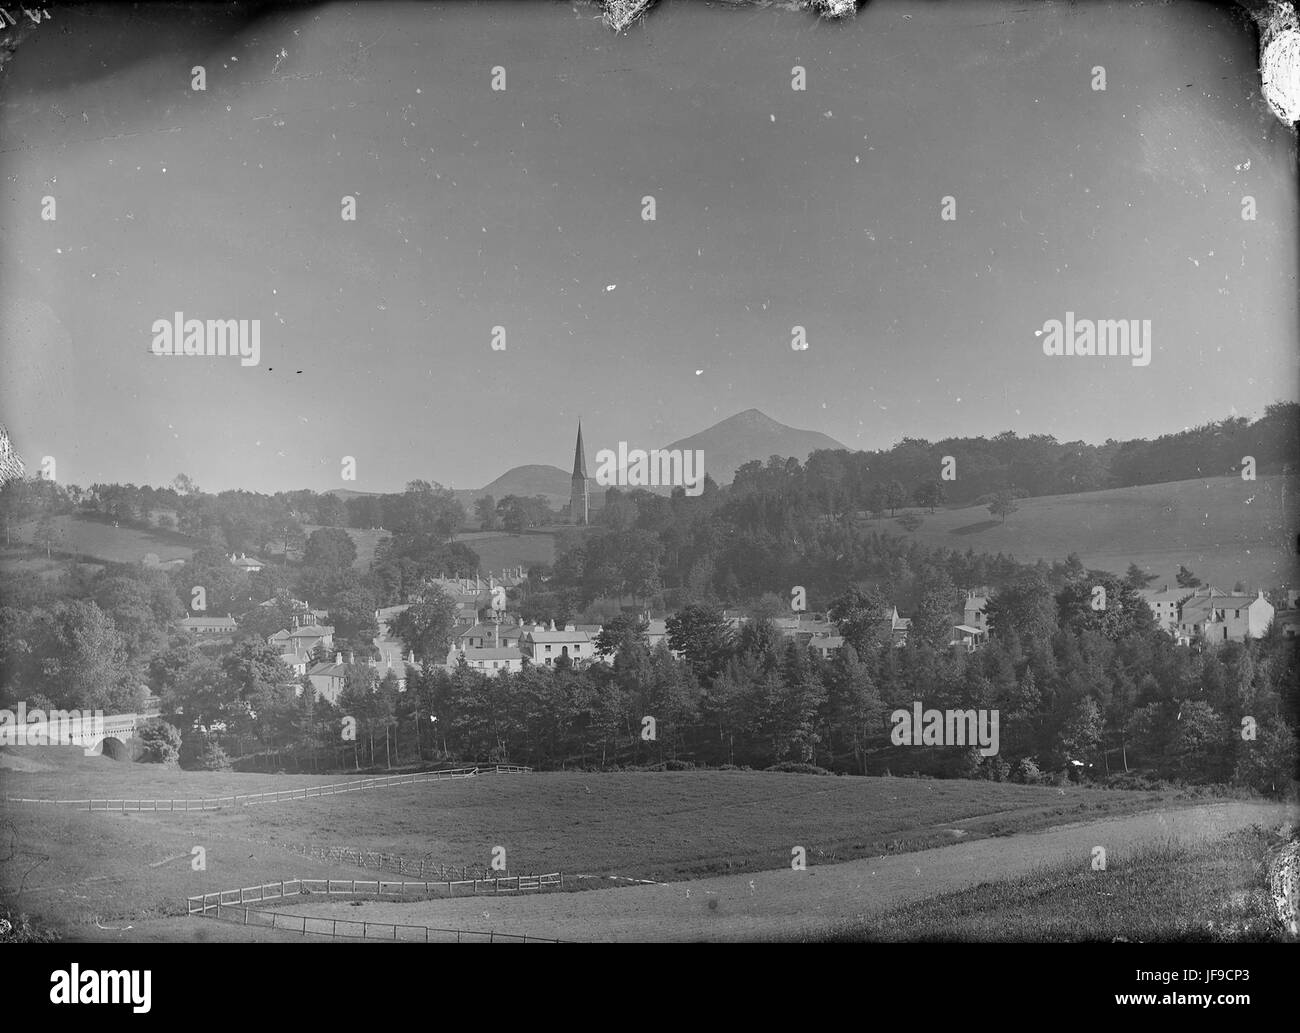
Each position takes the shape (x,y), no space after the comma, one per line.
(1223,528)
(104,541)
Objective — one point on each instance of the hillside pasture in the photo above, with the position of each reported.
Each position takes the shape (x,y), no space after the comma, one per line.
(1222,528)
(78,536)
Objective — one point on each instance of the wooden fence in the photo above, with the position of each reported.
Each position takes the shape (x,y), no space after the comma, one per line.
(249,799)
(232,905)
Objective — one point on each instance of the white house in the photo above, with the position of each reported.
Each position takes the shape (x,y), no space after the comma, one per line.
(489,660)
(1216,617)
(546,645)
(1165,603)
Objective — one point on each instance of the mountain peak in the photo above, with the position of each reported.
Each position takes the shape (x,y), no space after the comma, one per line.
(751,434)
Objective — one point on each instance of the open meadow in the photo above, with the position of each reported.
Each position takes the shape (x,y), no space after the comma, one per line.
(84,874)
(1223,528)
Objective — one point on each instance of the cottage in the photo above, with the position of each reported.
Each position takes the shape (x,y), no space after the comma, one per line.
(248,564)
(974,613)
(209,625)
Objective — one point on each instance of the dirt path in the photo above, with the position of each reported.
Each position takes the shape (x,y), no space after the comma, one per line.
(784,902)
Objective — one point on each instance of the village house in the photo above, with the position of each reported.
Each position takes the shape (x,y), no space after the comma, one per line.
(1215,617)
(297,664)
(489,660)
(973,613)
(489,635)
(968,637)
(1165,603)
(826,646)
(329,679)
(248,564)
(209,625)
(546,645)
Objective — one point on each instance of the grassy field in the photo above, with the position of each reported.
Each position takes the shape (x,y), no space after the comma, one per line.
(106,542)
(1208,892)
(1223,528)
(68,867)
(496,549)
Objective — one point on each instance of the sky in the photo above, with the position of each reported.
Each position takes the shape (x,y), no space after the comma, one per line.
(522,208)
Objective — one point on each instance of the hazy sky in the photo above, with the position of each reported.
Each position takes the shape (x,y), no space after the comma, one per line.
(520,208)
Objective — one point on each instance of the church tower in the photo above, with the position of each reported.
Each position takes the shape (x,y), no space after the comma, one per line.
(578,490)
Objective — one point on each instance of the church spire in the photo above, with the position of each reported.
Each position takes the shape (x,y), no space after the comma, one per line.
(578,502)
(579,457)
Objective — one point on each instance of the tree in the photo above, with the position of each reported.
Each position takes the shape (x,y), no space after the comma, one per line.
(860,617)
(161,743)
(1186,579)
(930,495)
(1137,578)
(485,510)
(700,633)
(895,496)
(352,614)
(425,627)
(1025,607)
(1003,505)
(932,623)
(289,534)
(47,534)
(184,485)
(330,548)
(876,501)
(624,632)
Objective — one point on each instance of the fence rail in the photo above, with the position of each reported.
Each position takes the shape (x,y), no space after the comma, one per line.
(232,905)
(122,806)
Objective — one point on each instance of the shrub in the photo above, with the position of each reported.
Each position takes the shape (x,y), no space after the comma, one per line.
(792,767)
(202,752)
(161,743)
(1026,771)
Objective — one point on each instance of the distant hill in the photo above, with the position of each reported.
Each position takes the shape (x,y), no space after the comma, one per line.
(534,479)
(751,435)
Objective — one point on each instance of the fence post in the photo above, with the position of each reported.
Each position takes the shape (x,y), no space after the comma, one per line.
(364,927)
(334,928)
(490,935)
(281,888)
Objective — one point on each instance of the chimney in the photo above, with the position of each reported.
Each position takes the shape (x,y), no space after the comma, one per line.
(552,627)
(411,657)
(570,627)
(338,659)
(352,657)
